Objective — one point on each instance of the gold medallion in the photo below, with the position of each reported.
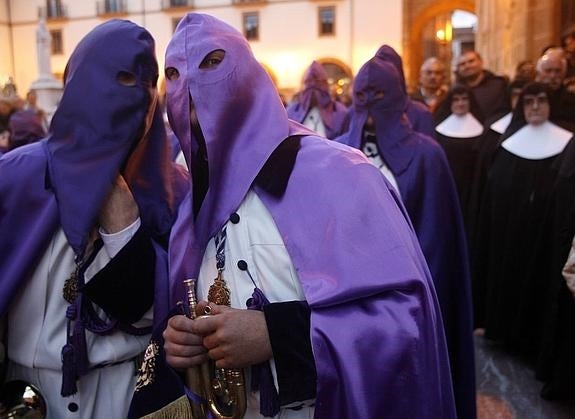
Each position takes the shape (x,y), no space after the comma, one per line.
(219,293)
(70,289)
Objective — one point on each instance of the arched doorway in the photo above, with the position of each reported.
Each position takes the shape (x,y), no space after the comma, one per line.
(340,78)
(431,34)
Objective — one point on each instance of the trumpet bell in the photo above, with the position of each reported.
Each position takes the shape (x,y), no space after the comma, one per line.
(19,399)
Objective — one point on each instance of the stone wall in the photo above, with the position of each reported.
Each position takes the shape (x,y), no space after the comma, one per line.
(509,31)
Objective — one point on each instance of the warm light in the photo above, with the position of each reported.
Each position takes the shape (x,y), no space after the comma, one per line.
(288,66)
(448,31)
(445,34)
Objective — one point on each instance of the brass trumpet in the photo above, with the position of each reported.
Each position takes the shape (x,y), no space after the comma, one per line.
(19,399)
(223,389)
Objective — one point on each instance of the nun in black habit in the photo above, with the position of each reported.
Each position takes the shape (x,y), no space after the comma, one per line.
(494,128)
(556,364)
(458,128)
(508,299)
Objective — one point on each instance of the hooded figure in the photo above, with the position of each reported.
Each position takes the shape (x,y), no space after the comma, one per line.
(512,226)
(25,128)
(346,296)
(102,173)
(314,107)
(417,165)
(417,113)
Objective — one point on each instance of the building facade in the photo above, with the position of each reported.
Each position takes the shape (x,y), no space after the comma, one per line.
(285,35)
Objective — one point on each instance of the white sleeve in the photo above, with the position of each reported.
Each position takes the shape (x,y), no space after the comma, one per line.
(113,243)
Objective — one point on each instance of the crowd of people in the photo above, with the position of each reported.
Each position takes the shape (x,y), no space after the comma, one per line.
(308,260)
(21,121)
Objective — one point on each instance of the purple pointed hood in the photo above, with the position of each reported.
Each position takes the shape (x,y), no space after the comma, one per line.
(238,109)
(315,83)
(387,53)
(378,93)
(95,131)
(333,114)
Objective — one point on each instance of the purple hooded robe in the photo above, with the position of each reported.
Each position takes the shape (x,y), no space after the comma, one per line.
(428,192)
(334,115)
(61,181)
(418,114)
(376,329)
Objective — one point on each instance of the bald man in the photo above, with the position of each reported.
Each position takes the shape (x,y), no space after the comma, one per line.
(432,88)
(552,70)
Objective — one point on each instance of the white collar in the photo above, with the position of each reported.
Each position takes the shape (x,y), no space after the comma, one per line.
(502,123)
(465,126)
(537,142)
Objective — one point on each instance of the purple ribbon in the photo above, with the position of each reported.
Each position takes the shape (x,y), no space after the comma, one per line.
(262,378)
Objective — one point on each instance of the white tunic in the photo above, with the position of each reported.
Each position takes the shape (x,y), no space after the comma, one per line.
(35,355)
(372,153)
(314,122)
(256,240)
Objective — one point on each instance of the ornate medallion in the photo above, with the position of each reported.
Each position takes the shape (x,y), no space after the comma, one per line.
(70,289)
(219,293)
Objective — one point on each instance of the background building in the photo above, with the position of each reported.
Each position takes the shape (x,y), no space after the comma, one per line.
(286,35)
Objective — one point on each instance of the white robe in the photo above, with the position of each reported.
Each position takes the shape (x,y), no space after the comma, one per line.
(314,122)
(35,355)
(256,240)
(371,151)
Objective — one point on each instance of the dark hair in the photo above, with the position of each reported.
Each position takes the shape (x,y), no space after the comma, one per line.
(517,84)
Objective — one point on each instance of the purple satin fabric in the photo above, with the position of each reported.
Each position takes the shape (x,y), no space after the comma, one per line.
(420,117)
(376,329)
(97,127)
(428,192)
(61,181)
(333,114)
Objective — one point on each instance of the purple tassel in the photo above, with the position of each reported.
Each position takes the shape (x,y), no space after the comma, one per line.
(69,374)
(80,348)
(269,398)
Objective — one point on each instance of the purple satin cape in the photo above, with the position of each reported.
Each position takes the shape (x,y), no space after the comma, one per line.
(428,192)
(333,114)
(418,114)
(62,181)
(376,328)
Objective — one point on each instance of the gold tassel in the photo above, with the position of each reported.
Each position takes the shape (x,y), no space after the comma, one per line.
(179,408)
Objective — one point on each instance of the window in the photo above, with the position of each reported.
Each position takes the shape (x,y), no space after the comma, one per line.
(115,6)
(57,44)
(252,26)
(326,21)
(54,8)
